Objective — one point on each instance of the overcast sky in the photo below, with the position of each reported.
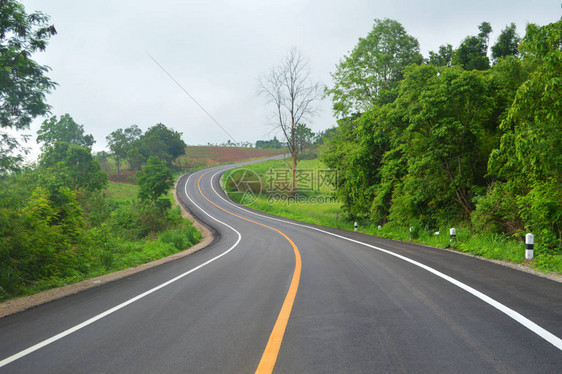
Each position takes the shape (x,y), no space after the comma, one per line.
(218,49)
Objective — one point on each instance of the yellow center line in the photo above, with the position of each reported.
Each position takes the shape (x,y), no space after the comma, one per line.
(269,356)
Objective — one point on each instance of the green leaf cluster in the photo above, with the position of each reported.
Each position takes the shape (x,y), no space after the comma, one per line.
(154,180)
(23,82)
(370,73)
(158,141)
(65,130)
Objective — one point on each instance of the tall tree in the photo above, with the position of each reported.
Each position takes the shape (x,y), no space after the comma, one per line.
(119,142)
(65,130)
(448,140)
(473,50)
(485,29)
(154,180)
(370,73)
(507,43)
(291,91)
(304,136)
(529,160)
(273,143)
(23,82)
(72,166)
(444,57)
(471,54)
(158,141)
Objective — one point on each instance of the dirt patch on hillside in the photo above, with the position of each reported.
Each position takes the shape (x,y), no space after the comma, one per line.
(124,177)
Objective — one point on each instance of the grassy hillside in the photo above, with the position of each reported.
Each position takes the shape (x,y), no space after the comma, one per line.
(263,186)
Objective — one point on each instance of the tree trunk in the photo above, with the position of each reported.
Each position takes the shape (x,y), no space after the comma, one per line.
(294,154)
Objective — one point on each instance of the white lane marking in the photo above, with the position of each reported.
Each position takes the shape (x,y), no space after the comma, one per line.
(71,330)
(543,333)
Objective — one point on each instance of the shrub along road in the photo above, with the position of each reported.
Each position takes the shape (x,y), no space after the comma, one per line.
(272,293)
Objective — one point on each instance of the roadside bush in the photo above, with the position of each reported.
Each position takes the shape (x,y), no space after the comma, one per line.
(10,281)
(125,223)
(174,217)
(182,237)
(541,209)
(95,207)
(151,218)
(496,211)
(53,236)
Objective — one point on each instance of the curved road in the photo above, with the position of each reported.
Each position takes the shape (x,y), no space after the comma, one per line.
(273,294)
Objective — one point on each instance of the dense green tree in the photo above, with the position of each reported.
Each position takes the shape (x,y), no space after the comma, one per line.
(458,143)
(507,43)
(472,54)
(485,29)
(422,157)
(40,228)
(325,135)
(444,57)
(120,141)
(355,151)
(446,144)
(528,160)
(154,180)
(370,74)
(117,143)
(72,166)
(135,157)
(273,143)
(473,50)
(304,136)
(64,130)
(23,82)
(158,141)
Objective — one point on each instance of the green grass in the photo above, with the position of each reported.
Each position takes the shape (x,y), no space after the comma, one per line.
(274,199)
(488,245)
(123,192)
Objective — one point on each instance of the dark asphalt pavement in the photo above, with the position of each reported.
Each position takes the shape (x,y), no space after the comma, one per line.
(358,309)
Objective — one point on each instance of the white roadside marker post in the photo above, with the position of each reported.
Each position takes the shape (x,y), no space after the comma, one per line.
(453,235)
(355,226)
(529,246)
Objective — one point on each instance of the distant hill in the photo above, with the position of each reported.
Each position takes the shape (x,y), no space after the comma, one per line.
(200,156)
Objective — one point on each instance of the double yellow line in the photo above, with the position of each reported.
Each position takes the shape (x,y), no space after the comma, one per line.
(269,356)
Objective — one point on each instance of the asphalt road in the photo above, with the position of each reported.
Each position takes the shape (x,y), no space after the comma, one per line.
(271,293)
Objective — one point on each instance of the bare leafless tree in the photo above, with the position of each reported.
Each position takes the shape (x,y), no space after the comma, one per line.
(289,88)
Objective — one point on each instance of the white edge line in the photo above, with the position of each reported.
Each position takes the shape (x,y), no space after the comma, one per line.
(71,330)
(543,333)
